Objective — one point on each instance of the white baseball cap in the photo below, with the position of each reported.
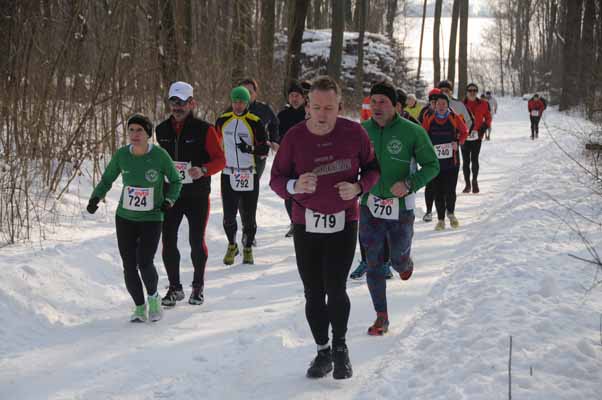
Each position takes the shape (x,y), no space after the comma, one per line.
(181,90)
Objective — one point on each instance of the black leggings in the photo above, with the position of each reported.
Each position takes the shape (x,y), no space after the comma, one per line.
(196,210)
(444,187)
(429,196)
(324,261)
(248,209)
(470,154)
(137,242)
(535,126)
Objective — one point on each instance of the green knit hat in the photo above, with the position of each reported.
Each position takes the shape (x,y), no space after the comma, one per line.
(240,93)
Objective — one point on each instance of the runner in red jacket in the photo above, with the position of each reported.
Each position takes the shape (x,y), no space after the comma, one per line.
(472,147)
(536,107)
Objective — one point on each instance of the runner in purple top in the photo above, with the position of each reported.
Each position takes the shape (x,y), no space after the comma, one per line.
(317,166)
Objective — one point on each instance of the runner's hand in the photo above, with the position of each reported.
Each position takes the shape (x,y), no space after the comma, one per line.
(306,183)
(93,205)
(347,190)
(399,189)
(195,173)
(165,206)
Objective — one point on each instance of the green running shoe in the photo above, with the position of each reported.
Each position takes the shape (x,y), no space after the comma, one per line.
(247,255)
(139,314)
(155,311)
(230,254)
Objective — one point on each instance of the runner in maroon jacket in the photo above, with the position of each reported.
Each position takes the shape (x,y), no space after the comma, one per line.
(317,166)
(536,108)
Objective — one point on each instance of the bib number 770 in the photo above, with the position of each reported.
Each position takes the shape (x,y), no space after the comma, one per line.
(316,222)
(383,208)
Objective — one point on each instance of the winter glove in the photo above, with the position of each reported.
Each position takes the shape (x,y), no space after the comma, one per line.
(93,205)
(165,206)
(483,129)
(244,147)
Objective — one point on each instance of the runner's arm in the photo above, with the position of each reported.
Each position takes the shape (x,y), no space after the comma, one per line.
(213,145)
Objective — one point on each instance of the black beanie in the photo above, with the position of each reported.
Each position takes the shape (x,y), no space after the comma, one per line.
(295,86)
(445,84)
(402,97)
(386,89)
(143,122)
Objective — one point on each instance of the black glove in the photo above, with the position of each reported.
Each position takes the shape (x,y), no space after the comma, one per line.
(165,206)
(244,147)
(483,129)
(93,205)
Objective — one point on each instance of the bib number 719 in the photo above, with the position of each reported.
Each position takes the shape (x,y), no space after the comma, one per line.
(316,222)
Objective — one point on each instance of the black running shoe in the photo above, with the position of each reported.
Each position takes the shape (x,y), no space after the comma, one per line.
(321,365)
(196,297)
(174,294)
(342,364)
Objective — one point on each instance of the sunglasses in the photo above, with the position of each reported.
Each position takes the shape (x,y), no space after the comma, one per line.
(175,101)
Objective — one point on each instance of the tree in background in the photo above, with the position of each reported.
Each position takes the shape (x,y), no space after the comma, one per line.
(436,35)
(453,45)
(463,51)
(336,41)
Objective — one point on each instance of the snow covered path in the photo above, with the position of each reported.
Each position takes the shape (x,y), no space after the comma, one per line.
(63,309)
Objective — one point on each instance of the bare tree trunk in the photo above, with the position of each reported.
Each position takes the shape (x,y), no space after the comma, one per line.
(336,43)
(463,51)
(348,15)
(500,24)
(421,41)
(266,53)
(588,55)
(453,45)
(240,29)
(391,14)
(293,61)
(571,46)
(436,35)
(362,6)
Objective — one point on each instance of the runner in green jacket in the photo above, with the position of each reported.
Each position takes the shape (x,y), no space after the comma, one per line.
(387,211)
(139,215)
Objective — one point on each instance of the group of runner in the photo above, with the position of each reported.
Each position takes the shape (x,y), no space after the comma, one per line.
(337,178)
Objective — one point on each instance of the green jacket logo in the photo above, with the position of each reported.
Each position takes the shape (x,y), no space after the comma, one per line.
(394,146)
(151,175)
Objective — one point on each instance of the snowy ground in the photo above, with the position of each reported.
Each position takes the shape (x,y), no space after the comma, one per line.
(63,307)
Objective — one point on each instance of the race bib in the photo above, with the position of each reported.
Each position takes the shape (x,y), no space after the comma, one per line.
(535,113)
(138,199)
(316,222)
(183,167)
(242,181)
(444,150)
(384,208)
(474,135)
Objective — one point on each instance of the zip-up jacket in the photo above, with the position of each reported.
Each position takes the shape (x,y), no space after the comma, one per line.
(443,134)
(482,117)
(199,144)
(400,147)
(460,109)
(537,106)
(141,176)
(243,138)
(290,117)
